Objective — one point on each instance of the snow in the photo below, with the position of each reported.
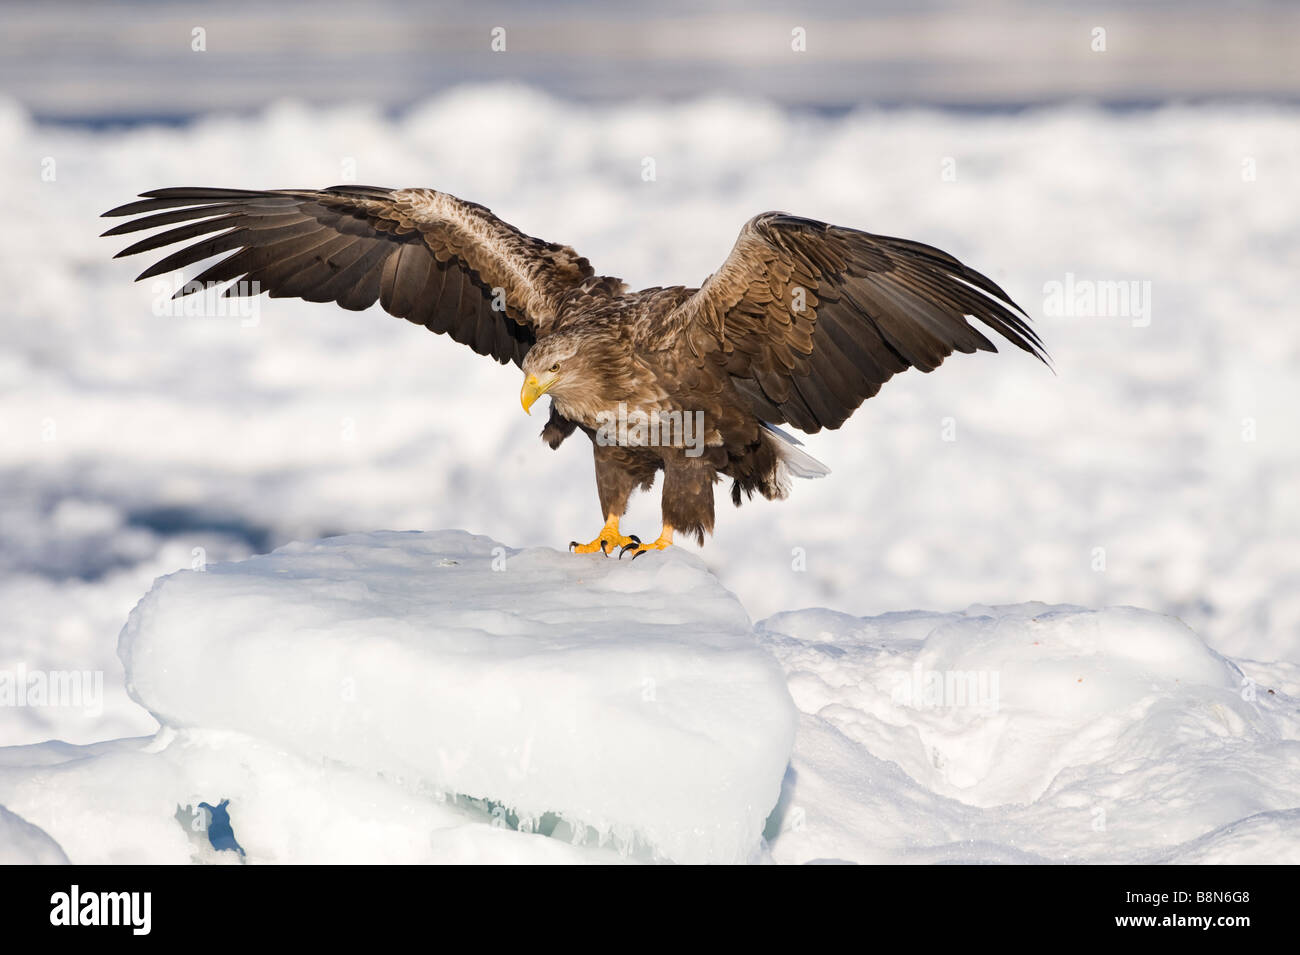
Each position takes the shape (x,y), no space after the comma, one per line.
(627,699)
(133,803)
(1030,733)
(21,843)
(439,697)
(585,689)
(1157,468)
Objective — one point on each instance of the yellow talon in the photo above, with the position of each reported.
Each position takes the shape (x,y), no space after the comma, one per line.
(637,549)
(607,541)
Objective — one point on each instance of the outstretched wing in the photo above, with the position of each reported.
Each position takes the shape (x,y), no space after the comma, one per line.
(426,256)
(810,319)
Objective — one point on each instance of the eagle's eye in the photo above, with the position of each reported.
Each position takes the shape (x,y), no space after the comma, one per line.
(555,367)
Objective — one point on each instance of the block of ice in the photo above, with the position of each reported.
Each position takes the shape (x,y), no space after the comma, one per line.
(629,699)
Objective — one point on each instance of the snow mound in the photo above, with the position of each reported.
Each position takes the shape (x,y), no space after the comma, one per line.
(21,843)
(1030,733)
(629,700)
(438,697)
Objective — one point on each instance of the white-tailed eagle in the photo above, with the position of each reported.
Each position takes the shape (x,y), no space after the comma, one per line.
(801,324)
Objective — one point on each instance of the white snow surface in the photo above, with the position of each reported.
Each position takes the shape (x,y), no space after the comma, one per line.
(627,697)
(1031,733)
(438,697)
(1158,467)
(21,843)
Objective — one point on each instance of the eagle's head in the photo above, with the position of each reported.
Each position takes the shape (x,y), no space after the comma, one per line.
(555,366)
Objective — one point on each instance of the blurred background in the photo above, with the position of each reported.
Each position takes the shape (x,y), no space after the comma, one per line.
(1130,173)
(92,61)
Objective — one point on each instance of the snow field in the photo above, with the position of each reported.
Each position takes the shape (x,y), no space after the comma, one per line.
(438,697)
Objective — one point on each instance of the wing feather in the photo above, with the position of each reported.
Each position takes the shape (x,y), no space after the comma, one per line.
(810,319)
(423,255)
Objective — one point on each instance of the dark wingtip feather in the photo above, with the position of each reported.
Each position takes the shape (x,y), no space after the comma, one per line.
(201,193)
(123,210)
(180,196)
(1014,327)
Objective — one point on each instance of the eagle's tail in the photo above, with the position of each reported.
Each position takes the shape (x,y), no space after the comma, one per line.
(790,457)
(771,467)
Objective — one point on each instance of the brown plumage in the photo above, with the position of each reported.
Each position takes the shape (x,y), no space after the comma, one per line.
(801,324)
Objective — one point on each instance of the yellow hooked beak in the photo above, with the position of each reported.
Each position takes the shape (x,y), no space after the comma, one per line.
(532,390)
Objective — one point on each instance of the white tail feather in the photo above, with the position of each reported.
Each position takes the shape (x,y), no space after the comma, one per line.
(793,461)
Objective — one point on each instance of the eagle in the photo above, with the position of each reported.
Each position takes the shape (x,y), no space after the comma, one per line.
(802,323)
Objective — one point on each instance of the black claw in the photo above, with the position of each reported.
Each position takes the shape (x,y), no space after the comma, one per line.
(572,545)
(634,539)
(604,547)
(626,548)
(638,554)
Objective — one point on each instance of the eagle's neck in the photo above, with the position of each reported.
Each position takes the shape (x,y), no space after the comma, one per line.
(583,408)
(613,374)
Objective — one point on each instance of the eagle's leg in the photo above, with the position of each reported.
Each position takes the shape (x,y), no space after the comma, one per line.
(608,540)
(687,501)
(618,472)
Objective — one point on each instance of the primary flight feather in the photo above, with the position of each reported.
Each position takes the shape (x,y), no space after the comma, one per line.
(801,324)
